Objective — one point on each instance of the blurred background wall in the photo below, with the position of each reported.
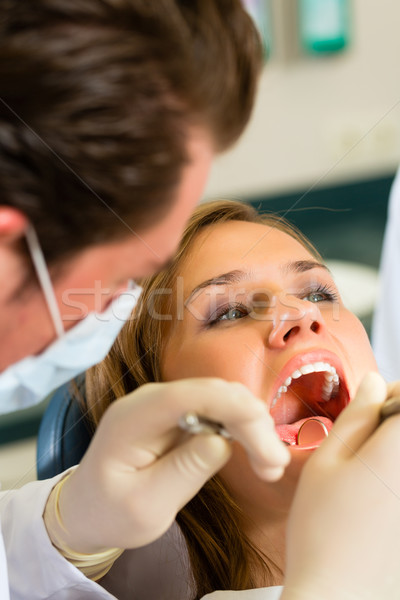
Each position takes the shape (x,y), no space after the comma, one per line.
(320,119)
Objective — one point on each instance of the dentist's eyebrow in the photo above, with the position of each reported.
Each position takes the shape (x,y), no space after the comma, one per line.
(235,276)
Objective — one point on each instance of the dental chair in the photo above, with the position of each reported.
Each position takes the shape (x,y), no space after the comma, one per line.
(64,432)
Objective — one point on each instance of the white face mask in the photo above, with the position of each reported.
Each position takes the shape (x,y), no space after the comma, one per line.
(84,345)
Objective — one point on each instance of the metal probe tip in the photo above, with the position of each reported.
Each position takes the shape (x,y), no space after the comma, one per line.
(194,424)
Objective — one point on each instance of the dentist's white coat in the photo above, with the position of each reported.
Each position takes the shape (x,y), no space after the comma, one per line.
(36,570)
(386,323)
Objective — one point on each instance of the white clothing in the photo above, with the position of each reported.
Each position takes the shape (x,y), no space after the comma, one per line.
(36,570)
(270,593)
(386,323)
(4,589)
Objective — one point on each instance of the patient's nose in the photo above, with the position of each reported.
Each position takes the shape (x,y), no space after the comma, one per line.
(293,319)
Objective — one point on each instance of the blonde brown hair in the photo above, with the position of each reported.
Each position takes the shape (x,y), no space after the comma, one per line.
(221,555)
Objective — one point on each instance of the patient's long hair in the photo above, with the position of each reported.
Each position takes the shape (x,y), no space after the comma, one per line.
(221,555)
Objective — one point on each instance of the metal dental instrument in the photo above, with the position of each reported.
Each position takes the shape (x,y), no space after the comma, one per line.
(314,430)
(311,431)
(194,424)
(389,408)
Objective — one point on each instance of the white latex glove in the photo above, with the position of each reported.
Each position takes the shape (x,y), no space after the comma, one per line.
(344,528)
(141,469)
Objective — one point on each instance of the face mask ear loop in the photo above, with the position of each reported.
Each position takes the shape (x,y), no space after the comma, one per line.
(42,273)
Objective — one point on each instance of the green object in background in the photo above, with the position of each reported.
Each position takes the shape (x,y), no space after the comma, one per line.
(22,424)
(324,25)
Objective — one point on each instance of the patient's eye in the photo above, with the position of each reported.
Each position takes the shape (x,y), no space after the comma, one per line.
(229,313)
(315,297)
(232,314)
(321,293)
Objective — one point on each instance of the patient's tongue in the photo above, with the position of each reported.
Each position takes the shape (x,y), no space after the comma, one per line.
(288,431)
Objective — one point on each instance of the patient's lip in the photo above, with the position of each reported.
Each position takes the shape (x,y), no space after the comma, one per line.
(303,358)
(289,420)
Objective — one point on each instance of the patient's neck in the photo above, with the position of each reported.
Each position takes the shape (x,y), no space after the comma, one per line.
(269,539)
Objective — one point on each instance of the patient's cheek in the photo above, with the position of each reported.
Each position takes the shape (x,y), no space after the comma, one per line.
(236,360)
(357,348)
(192,365)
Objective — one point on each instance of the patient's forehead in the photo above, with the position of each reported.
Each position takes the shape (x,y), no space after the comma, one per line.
(222,247)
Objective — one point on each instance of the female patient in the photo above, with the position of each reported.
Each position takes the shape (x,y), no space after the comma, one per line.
(247,299)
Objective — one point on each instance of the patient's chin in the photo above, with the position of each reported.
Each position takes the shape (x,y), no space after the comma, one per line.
(258,497)
(299,457)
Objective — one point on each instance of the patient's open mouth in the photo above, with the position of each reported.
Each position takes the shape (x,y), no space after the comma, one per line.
(316,390)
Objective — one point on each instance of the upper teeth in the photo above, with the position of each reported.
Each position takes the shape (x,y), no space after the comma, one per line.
(331,382)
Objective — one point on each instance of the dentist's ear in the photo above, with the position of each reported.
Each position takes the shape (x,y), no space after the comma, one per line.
(13,224)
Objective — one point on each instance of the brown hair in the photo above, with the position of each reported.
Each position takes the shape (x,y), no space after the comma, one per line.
(97,98)
(221,555)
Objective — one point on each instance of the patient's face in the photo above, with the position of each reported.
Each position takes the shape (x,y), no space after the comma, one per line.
(260,310)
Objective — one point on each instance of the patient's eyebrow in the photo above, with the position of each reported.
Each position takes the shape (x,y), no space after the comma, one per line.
(301,266)
(236,276)
(230,277)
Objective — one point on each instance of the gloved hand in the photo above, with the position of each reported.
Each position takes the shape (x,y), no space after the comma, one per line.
(141,468)
(344,527)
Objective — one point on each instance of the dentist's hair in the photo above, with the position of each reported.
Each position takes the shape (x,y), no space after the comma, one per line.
(98,98)
(221,555)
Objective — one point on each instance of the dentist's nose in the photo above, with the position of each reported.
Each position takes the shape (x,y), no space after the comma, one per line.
(293,319)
